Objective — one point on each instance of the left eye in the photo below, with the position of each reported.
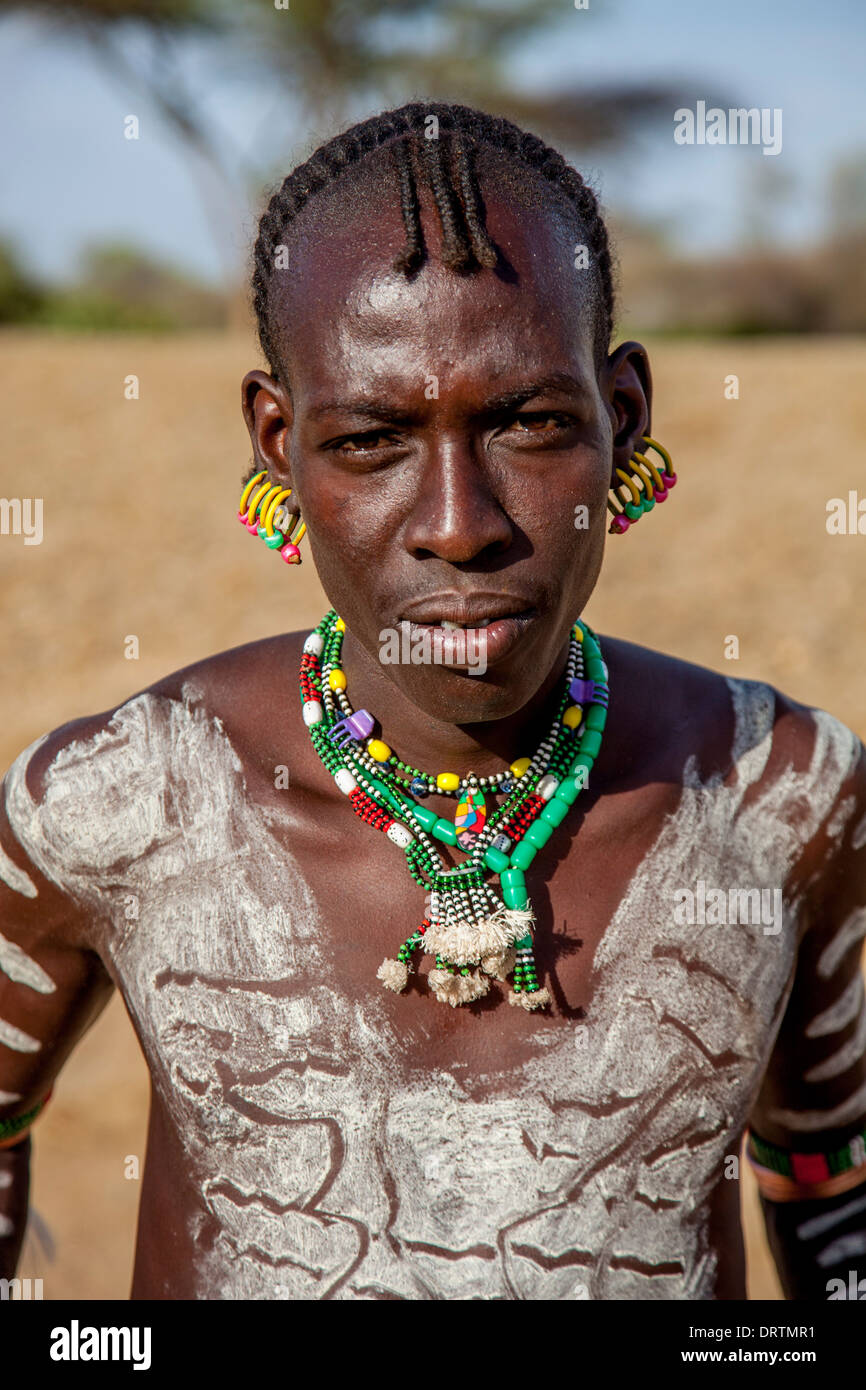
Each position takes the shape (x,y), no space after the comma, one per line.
(539,422)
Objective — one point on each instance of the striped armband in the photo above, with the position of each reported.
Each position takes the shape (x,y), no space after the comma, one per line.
(13,1131)
(785,1176)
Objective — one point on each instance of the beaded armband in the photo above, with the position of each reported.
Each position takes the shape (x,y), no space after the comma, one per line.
(785,1176)
(13,1131)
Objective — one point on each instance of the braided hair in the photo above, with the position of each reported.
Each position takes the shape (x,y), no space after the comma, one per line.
(447,163)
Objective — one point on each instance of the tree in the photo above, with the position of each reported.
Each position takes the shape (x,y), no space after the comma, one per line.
(335,60)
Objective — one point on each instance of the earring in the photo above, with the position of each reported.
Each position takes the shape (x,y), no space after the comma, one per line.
(261,506)
(645,485)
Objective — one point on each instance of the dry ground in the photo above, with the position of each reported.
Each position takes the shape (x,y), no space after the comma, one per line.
(141,538)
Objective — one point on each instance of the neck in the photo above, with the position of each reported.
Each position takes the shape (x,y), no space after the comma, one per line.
(435,745)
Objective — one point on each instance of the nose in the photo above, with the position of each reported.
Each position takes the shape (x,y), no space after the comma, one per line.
(456,514)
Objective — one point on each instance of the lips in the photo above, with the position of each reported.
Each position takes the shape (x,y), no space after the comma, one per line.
(483,627)
(475,611)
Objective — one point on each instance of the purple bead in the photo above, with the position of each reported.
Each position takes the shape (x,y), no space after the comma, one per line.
(581,690)
(361,723)
(358,725)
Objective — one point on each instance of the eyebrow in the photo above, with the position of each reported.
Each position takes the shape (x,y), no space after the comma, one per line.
(506,400)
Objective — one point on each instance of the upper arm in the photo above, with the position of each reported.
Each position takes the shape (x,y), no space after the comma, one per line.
(52,983)
(813,1097)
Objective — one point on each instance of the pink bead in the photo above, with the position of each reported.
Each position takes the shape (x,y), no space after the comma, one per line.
(242,518)
(291,554)
(619,525)
(661,494)
(253,526)
(670,480)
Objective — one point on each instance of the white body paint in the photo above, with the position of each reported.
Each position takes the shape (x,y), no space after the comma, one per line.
(16,878)
(18,967)
(316,1173)
(17,1039)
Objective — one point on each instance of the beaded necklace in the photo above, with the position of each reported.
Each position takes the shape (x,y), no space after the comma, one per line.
(466,923)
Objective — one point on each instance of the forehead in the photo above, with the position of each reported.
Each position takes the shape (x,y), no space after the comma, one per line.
(341,315)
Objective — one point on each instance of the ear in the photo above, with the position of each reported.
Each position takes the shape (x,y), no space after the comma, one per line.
(627,387)
(267,410)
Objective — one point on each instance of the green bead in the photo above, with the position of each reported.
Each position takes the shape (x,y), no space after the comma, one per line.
(275,541)
(568,791)
(524,944)
(515,897)
(539,833)
(496,860)
(590,743)
(445,831)
(523,854)
(425,817)
(554,812)
(648,503)
(583,760)
(513,878)
(596,718)
(633,511)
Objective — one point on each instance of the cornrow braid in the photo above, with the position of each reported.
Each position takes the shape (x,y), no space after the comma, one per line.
(482,247)
(413,252)
(456,250)
(445,156)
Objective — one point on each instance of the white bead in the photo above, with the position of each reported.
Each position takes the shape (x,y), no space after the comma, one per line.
(312,712)
(399,835)
(314,645)
(546,787)
(345,781)
(502,843)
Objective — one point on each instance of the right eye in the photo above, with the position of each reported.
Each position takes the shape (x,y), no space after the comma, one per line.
(365,443)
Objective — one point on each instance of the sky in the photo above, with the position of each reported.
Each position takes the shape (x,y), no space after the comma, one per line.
(68,177)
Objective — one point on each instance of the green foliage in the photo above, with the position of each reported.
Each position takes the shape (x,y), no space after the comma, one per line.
(20,295)
(118,287)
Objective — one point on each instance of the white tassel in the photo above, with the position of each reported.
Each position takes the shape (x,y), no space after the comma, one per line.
(457,989)
(466,943)
(535,1000)
(394,974)
(499,964)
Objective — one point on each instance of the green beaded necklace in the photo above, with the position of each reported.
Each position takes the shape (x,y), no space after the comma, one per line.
(466,924)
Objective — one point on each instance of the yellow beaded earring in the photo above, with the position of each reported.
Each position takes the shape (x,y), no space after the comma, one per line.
(263,512)
(644,485)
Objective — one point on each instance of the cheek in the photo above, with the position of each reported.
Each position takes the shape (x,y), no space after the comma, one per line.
(567,507)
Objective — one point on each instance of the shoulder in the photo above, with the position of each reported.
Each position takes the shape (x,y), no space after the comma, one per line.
(773,756)
(101,790)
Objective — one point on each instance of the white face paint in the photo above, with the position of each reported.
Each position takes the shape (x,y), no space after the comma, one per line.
(330,1160)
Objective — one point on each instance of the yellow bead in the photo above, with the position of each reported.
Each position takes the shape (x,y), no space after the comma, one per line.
(339,625)
(517,769)
(378,750)
(447,781)
(572,716)
(337,679)
(578,632)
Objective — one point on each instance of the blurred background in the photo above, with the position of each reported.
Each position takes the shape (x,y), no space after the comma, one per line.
(141,139)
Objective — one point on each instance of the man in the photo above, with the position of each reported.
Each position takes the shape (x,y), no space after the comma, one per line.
(441,399)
